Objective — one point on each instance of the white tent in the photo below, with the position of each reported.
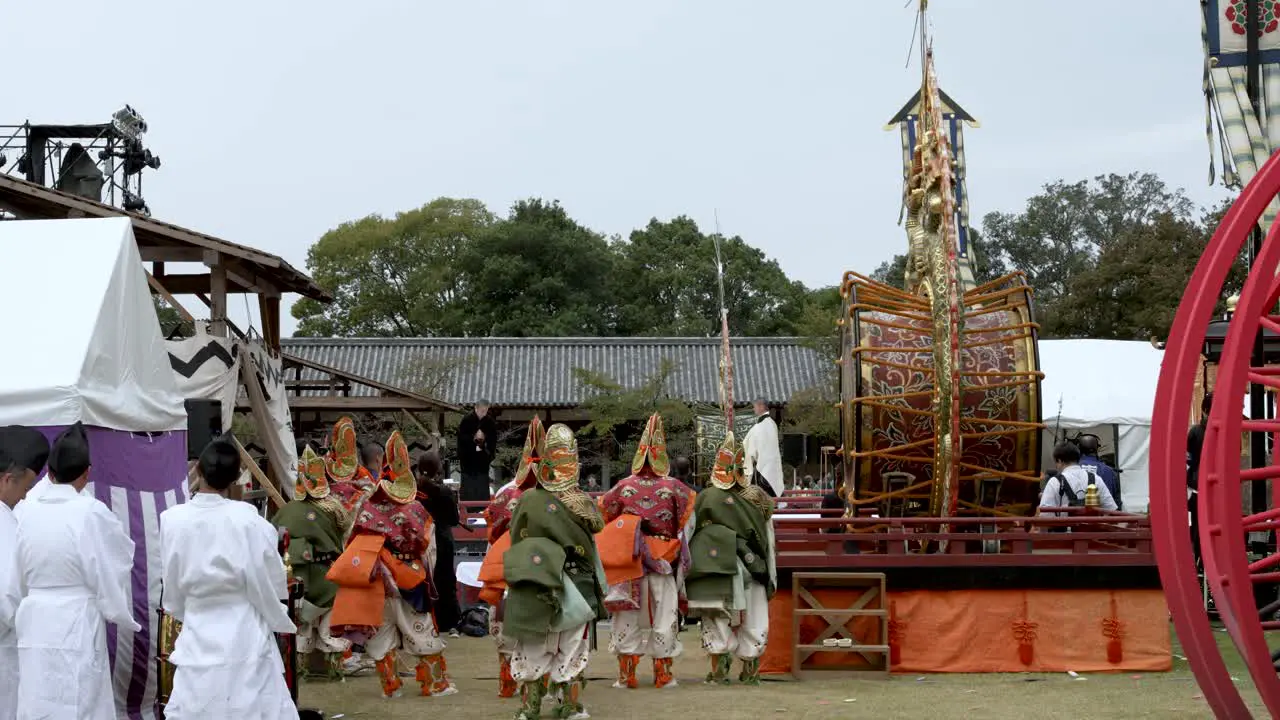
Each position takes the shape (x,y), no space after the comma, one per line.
(79,305)
(1108,388)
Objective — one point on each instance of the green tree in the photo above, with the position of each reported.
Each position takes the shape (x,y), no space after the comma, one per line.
(1107,258)
(538,273)
(985,266)
(395,276)
(616,414)
(812,410)
(172,323)
(667,286)
(1064,228)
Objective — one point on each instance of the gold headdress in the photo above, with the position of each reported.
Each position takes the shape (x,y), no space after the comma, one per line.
(653,449)
(397,477)
(727,471)
(560,476)
(343,457)
(531,458)
(311,481)
(560,460)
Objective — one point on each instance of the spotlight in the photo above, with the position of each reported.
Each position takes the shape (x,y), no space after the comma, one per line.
(136,204)
(129,123)
(136,157)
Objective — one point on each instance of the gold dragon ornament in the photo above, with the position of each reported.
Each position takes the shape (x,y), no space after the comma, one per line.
(932,272)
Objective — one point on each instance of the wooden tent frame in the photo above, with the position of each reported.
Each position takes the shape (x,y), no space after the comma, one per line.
(229,269)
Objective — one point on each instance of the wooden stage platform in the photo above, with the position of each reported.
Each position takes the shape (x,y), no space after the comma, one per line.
(1007,594)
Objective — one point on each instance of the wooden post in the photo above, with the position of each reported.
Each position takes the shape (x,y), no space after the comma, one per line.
(217,293)
(269,307)
(258,404)
(272,493)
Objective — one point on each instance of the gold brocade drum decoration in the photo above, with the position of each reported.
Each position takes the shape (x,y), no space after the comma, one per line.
(888,417)
(166,638)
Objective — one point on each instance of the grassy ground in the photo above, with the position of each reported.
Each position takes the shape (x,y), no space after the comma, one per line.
(473,665)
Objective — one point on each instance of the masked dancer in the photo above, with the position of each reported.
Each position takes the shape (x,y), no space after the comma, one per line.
(497,518)
(317,521)
(385,592)
(732,573)
(555,582)
(647,521)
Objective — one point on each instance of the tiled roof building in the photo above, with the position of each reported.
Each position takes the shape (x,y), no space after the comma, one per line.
(540,372)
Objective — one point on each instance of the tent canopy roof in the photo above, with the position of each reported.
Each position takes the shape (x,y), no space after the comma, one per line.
(84,341)
(1100,382)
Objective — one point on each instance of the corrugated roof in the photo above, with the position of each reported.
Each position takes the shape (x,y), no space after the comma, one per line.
(539,372)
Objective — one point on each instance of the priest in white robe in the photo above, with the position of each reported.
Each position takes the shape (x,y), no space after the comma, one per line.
(762,464)
(23,452)
(224,580)
(74,561)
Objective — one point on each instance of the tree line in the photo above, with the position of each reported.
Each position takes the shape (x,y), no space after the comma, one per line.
(453,268)
(1107,258)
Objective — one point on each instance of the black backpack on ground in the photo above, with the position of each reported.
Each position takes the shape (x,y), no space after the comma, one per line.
(474,621)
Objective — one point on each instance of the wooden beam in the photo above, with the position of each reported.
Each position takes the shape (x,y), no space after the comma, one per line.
(217,294)
(357,403)
(269,310)
(266,484)
(170,253)
(239,280)
(159,289)
(261,418)
(289,359)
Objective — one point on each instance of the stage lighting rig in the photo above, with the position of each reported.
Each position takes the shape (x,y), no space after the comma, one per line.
(66,157)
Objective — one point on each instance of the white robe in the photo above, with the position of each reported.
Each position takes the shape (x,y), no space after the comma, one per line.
(760,452)
(10,596)
(75,561)
(225,580)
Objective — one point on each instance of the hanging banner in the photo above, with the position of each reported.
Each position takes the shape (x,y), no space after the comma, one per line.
(709,432)
(954,118)
(271,377)
(207,367)
(1234,132)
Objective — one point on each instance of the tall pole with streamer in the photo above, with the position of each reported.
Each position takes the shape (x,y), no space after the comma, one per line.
(726,356)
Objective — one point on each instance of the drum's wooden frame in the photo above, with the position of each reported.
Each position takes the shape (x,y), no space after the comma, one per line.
(870,303)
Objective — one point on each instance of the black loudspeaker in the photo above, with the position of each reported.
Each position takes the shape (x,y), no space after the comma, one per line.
(795,447)
(204,425)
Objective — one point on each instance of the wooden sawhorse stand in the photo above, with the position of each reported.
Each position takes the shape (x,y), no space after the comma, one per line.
(871,602)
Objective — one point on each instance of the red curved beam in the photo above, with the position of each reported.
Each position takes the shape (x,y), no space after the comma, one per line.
(1223,536)
(1168,459)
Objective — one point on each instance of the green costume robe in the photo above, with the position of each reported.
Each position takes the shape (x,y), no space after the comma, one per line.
(549,543)
(729,531)
(315,541)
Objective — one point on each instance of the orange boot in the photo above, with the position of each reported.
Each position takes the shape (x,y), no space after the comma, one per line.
(391,683)
(506,681)
(433,675)
(627,671)
(662,676)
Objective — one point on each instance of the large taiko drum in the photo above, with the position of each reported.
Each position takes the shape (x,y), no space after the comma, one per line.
(888,419)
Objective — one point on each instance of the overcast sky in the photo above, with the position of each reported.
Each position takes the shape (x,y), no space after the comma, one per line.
(276,121)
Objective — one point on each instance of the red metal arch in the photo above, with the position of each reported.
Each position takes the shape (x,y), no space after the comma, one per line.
(1222,528)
